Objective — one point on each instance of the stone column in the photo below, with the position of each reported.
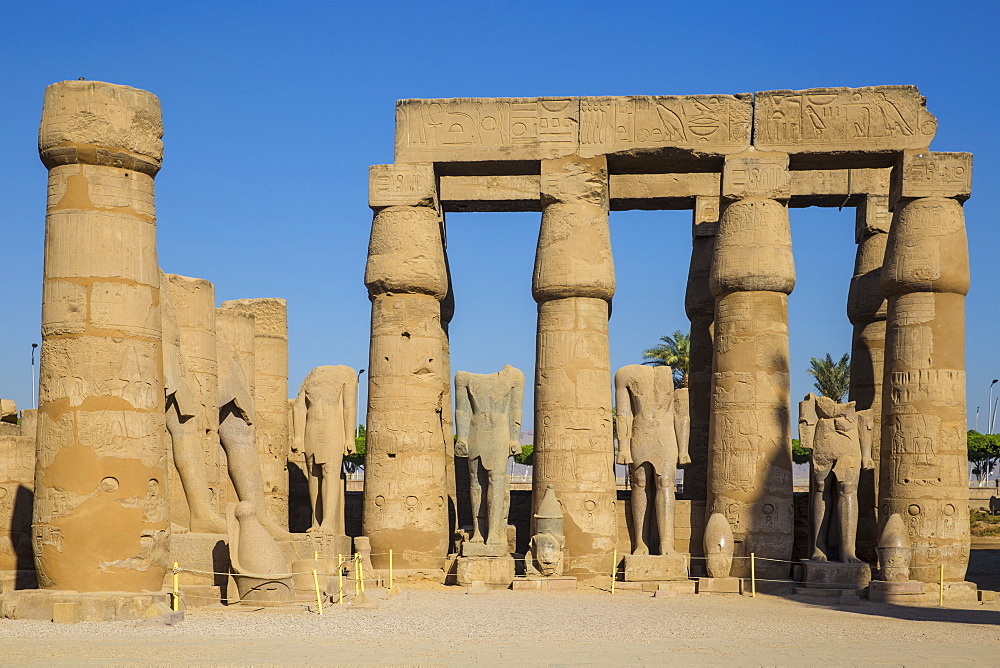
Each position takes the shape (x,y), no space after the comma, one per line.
(866,309)
(406,488)
(194,306)
(270,397)
(925,278)
(750,459)
(574,281)
(700,306)
(100,513)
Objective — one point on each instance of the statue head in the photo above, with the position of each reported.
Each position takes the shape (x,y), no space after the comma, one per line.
(546,549)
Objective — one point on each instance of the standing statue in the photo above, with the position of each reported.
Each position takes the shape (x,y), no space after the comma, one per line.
(488,422)
(841,442)
(653,429)
(324,412)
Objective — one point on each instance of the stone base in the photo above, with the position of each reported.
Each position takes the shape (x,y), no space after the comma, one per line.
(202,552)
(654,568)
(835,575)
(327,545)
(553,583)
(896,592)
(671,586)
(492,571)
(72,607)
(484,550)
(728,585)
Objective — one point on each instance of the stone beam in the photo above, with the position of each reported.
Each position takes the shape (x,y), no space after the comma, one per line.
(812,187)
(820,126)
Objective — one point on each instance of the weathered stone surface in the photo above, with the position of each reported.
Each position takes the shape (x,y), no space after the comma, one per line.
(931,174)
(40,604)
(270,397)
(835,575)
(573,285)
(726,585)
(924,458)
(718,541)
(494,572)
(260,569)
(756,174)
(655,567)
(876,119)
(406,484)
(402,185)
(100,513)
(17,480)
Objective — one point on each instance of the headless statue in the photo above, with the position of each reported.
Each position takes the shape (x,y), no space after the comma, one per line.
(841,441)
(238,436)
(653,441)
(488,422)
(184,427)
(324,423)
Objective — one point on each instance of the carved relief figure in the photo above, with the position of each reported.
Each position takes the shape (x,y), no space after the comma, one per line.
(324,423)
(652,440)
(488,425)
(841,440)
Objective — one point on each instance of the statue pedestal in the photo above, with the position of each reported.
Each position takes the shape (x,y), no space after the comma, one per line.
(728,585)
(205,552)
(497,572)
(484,550)
(655,567)
(909,592)
(835,575)
(70,607)
(550,583)
(328,545)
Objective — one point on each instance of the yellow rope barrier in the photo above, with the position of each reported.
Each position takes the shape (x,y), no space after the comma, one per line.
(941,591)
(390,569)
(614,570)
(340,580)
(753,576)
(176,597)
(319,598)
(357,571)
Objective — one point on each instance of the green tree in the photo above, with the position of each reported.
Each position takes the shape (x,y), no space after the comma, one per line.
(833,379)
(673,351)
(800,455)
(984,453)
(527,456)
(357,461)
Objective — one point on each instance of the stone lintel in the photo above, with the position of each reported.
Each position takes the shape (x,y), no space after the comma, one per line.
(931,174)
(402,185)
(874,119)
(756,174)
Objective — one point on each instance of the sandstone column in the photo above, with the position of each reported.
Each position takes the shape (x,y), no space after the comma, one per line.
(270,397)
(866,309)
(700,306)
(100,512)
(750,463)
(574,281)
(925,278)
(406,487)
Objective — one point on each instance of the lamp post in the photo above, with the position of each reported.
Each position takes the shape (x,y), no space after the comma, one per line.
(989,407)
(34,395)
(357,418)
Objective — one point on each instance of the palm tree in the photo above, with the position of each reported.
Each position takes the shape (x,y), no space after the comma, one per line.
(675,352)
(833,379)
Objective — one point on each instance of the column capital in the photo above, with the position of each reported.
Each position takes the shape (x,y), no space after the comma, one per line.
(919,174)
(872,217)
(402,184)
(575,179)
(756,174)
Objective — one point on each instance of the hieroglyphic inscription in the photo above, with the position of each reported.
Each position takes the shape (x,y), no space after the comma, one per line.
(401,185)
(932,174)
(881,118)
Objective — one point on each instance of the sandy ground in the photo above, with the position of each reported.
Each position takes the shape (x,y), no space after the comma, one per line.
(436,625)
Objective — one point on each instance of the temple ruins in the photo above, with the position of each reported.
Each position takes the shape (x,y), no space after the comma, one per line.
(156,469)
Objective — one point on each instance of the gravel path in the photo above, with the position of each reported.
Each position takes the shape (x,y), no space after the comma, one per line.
(436,625)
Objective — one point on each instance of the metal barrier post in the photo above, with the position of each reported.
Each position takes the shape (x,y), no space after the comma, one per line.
(753,576)
(175,601)
(390,568)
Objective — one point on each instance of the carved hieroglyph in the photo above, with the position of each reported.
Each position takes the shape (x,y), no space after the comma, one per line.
(926,278)
(866,309)
(653,429)
(270,397)
(325,410)
(185,431)
(488,429)
(406,484)
(100,513)
(750,464)
(574,282)
(700,306)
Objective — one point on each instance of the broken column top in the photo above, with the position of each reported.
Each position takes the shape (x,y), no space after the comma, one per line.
(98,123)
(874,119)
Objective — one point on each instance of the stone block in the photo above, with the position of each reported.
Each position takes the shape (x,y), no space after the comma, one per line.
(653,568)
(486,129)
(402,185)
(553,583)
(931,174)
(166,619)
(493,571)
(484,550)
(665,593)
(41,604)
(875,119)
(679,586)
(835,575)
(728,585)
(8,411)
(756,174)
(896,592)
(987,596)
(66,613)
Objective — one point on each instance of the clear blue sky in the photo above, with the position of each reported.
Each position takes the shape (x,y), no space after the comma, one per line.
(273,112)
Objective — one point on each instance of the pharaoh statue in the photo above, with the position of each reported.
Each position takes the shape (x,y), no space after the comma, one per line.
(324,414)
(183,426)
(840,438)
(488,426)
(653,426)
